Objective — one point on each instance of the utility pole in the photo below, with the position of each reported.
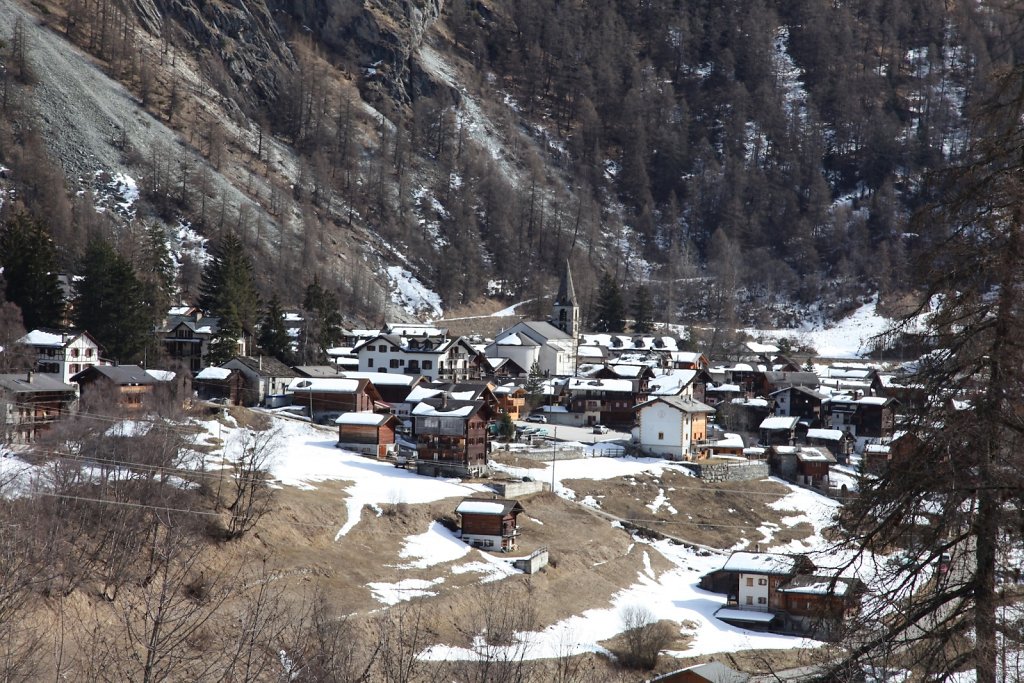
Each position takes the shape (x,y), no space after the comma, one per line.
(554,456)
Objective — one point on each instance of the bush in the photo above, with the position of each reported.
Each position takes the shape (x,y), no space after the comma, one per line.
(643,638)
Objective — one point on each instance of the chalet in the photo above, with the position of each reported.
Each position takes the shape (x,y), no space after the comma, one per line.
(778,431)
(867,417)
(127,386)
(367,433)
(511,400)
(909,393)
(436,357)
(672,427)
(490,524)
(721,393)
(688,360)
(220,383)
(744,375)
(394,388)
(798,401)
(773,380)
(534,342)
(692,383)
(639,375)
(776,592)
(807,465)
(329,397)
(266,380)
(505,369)
(451,436)
(322,371)
(838,442)
(64,353)
(30,402)
(604,401)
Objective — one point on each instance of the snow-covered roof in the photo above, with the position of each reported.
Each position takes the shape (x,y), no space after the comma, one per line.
(362,419)
(161,375)
(589,351)
(750,402)
(757,347)
(760,563)
(214,373)
(825,434)
(730,440)
(480,506)
(779,423)
(327,385)
(423,391)
(42,338)
(423,409)
(591,384)
(672,382)
(724,388)
(382,378)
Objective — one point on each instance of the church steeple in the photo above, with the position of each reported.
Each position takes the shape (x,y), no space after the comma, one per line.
(565,313)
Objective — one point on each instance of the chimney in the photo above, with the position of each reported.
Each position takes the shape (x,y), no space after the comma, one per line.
(444,400)
(261,362)
(31,376)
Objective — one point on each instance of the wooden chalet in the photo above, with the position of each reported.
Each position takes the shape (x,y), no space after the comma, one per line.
(127,386)
(491,524)
(775,431)
(866,417)
(220,384)
(329,397)
(798,401)
(451,436)
(807,465)
(367,433)
(30,403)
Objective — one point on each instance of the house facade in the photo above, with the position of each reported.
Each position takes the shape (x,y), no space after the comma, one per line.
(605,401)
(64,353)
(490,524)
(266,380)
(367,433)
(128,386)
(451,436)
(438,358)
(529,342)
(332,396)
(673,427)
(30,402)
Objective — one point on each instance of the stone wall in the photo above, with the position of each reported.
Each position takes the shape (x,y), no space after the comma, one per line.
(728,471)
(516,489)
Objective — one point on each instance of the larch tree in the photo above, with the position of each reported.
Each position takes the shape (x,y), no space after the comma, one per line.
(610,314)
(953,500)
(643,311)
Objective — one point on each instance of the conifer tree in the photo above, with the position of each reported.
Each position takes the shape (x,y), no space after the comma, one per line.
(228,291)
(112,304)
(323,322)
(273,336)
(29,262)
(643,311)
(610,314)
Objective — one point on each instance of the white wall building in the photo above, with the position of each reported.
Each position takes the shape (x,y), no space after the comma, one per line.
(436,358)
(63,352)
(527,342)
(671,426)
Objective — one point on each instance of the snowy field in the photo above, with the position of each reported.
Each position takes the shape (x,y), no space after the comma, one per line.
(307,456)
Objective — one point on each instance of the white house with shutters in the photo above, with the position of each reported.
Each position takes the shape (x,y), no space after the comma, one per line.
(63,352)
(672,426)
(434,357)
(529,342)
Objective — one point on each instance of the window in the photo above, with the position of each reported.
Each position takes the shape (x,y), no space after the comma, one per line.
(394,362)
(369,362)
(750,600)
(74,353)
(661,437)
(762,582)
(74,368)
(428,364)
(762,601)
(88,353)
(750,581)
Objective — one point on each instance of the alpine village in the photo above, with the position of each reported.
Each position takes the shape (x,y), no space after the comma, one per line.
(401,341)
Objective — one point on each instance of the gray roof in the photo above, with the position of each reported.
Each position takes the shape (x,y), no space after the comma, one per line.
(18,383)
(546,330)
(121,375)
(266,366)
(683,403)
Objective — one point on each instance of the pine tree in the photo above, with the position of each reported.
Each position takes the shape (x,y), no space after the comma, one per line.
(29,262)
(610,315)
(111,303)
(228,291)
(273,336)
(643,311)
(323,322)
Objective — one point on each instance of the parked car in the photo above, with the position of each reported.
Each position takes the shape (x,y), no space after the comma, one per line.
(944,562)
(600,429)
(536,417)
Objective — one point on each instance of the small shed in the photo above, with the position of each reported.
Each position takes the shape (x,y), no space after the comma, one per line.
(225,383)
(490,524)
(367,433)
(775,431)
(808,465)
